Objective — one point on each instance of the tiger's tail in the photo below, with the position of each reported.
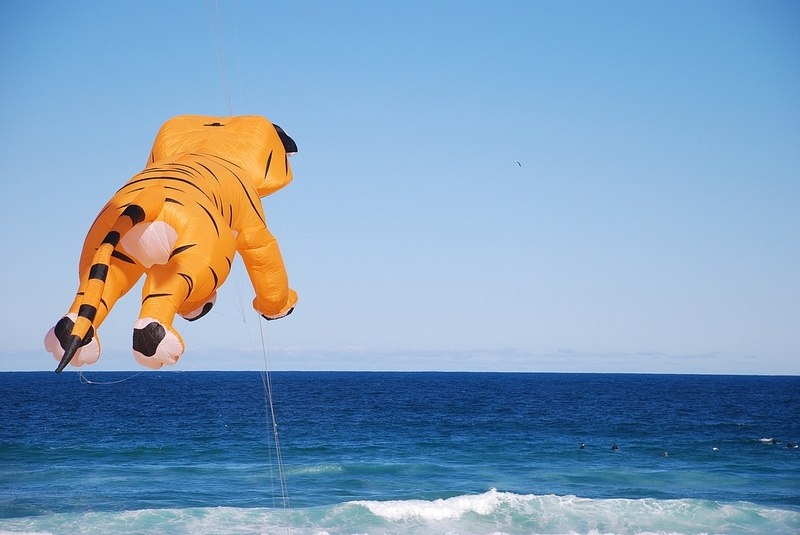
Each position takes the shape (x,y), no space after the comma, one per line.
(93,291)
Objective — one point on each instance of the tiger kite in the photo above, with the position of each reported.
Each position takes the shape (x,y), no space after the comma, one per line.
(180,222)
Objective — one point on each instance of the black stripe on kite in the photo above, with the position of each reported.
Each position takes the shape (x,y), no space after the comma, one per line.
(181,249)
(112,238)
(218,158)
(211,217)
(213,174)
(214,274)
(135,212)
(98,272)
(249,198)
(87,311)
(122,257)
(153,296)
(175,178)
(189,283)
(269,163)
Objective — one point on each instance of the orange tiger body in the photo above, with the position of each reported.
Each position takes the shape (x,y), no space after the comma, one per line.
(180,222)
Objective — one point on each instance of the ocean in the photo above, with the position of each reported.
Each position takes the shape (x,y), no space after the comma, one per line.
(398,453)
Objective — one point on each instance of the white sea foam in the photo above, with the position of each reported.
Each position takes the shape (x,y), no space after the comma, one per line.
(441,509)
(572,514)
(317,469)
(492,512)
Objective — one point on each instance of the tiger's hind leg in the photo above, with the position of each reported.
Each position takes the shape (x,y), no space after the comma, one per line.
(122,275)
(155,341)
(185,285)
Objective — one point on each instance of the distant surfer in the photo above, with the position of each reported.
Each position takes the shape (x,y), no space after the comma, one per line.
(614,447)
(665,454)
(582,446)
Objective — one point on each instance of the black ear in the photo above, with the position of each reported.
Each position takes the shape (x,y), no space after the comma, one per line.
(288,143)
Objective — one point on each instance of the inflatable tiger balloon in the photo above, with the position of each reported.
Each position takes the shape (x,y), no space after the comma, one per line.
(180,223)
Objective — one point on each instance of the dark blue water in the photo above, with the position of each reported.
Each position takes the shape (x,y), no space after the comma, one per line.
(195,452)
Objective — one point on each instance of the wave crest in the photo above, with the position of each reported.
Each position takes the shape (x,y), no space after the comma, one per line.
(572,514)
(490,512)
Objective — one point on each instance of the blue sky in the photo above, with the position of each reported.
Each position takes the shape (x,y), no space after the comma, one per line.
(654,225)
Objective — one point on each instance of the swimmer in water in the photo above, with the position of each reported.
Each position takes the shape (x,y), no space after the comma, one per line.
(614,447)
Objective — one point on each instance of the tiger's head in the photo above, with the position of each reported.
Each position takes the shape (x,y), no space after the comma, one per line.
(250,142)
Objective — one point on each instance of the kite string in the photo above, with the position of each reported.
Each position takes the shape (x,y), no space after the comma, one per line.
(219,48)
(266,380)
(237,276)
(86,381)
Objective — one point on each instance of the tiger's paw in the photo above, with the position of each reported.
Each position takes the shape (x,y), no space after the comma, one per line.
(202,310)
(155,344)
(57,339)
(271,310)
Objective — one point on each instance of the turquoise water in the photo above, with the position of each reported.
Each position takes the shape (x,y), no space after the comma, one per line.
(466,453)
